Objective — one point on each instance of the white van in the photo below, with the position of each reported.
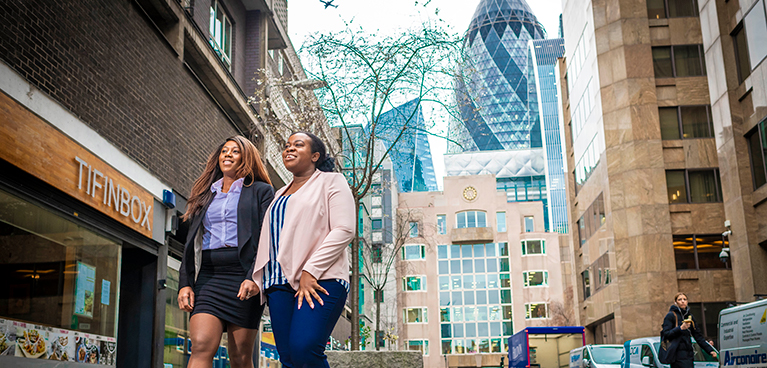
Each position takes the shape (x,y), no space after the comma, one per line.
(641,353)
(743,335)
(596,356)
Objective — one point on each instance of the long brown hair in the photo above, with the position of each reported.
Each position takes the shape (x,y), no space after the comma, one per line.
(251,169)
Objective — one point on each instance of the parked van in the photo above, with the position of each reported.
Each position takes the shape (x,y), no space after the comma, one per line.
(641,353)
(743,335)
(596,356)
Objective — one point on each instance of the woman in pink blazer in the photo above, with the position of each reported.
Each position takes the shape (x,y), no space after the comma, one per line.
(302,265)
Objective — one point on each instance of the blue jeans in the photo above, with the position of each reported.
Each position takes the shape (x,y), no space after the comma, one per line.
(301,334)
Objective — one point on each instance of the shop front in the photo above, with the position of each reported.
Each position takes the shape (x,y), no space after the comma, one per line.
(79,251)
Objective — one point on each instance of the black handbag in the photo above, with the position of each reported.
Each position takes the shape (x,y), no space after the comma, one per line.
(663,353)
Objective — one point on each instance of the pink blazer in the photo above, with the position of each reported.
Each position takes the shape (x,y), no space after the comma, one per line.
(320,221)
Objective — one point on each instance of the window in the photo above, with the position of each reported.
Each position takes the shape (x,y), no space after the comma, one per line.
(693,186)
(536,310)
(592,219)
(376,201)
(500,221)
(658,9)
(377,236)
(376,212)
(756,33)
(741,52)
(376,253)
(757,146)
(529,224)
(414,283)
(221,33)
(699,252)
(441,224)
(535,278)
(531,247)
(413,229)
(418,345)
(377,224)
(586,281)
(415,315)
(678,61)
(686,122)
(470,219)
(413,251)
(647,352)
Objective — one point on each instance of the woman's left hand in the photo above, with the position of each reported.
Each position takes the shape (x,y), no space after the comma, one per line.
(307,288)
(713,354)
(248,289)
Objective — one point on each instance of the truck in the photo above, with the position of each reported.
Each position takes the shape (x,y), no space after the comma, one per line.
(743,335)
(544,347)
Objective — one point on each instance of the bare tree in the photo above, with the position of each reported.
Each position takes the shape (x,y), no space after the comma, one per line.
(561,314)
(367,75)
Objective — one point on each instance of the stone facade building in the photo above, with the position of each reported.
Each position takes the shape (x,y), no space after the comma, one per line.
(656,176)
(474,269)
(107,110)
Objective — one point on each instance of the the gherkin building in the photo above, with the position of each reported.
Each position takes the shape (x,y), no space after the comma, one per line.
(496,94)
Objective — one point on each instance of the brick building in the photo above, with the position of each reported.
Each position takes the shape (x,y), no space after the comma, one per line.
(105,109)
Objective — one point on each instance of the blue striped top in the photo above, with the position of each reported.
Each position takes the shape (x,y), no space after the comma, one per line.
(273,274)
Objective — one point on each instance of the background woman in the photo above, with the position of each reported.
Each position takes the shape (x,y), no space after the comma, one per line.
(680,351)
(225,210)
(307,230)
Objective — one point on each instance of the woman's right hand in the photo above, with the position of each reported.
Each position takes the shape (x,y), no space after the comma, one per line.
(685,325)
(186,299)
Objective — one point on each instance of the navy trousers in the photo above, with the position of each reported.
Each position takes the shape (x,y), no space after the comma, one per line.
(301,334)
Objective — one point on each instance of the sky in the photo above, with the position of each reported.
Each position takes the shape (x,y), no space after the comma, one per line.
(306,17)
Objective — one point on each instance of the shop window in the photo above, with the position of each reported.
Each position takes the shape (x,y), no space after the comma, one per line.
(416,315)
(535,278)
(536,310)
(532,247)
(441,224)
(414,283)
(693,186)
(58,275)
(678,61)
(471,219)
(418,345)
(757,145)
(659,9)
(413,252)
(699,252)
(221,33)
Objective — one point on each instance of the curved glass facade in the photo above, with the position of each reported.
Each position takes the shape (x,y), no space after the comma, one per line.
(497,96)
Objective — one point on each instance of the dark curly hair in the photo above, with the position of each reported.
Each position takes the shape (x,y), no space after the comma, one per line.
(325,163)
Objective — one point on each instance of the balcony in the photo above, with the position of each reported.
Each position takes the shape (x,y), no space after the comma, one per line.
(472,234)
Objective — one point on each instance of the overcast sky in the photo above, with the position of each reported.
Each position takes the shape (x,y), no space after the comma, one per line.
(306,17)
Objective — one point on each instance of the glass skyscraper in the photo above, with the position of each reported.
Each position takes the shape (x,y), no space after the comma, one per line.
(410,155)
(496,94)
(544,54)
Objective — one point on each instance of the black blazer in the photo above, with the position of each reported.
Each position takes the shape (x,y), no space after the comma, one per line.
(253,203)
(680,339)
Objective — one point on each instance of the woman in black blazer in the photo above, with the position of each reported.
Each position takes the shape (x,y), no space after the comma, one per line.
(225,210)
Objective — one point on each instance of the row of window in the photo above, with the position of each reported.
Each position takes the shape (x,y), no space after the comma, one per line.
(678,61)
(582,110)
(523,189)
(471,282)
(473,346)
(685,122)
(575,62)
(473,251)
(659,9)
(597,276)
(693,186)
(478,329)
(699,252)
(475,314)
(750,40)
(591,220)
(221,33)
(468,219)
(587,162)
(474,297)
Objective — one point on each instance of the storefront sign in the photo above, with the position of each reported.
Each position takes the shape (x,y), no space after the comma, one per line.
(85,290)
(40,149)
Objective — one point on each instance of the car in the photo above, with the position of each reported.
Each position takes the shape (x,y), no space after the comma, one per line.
(596,356)
(643,352)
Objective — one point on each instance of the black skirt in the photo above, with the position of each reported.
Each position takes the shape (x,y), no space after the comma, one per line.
(216,288)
